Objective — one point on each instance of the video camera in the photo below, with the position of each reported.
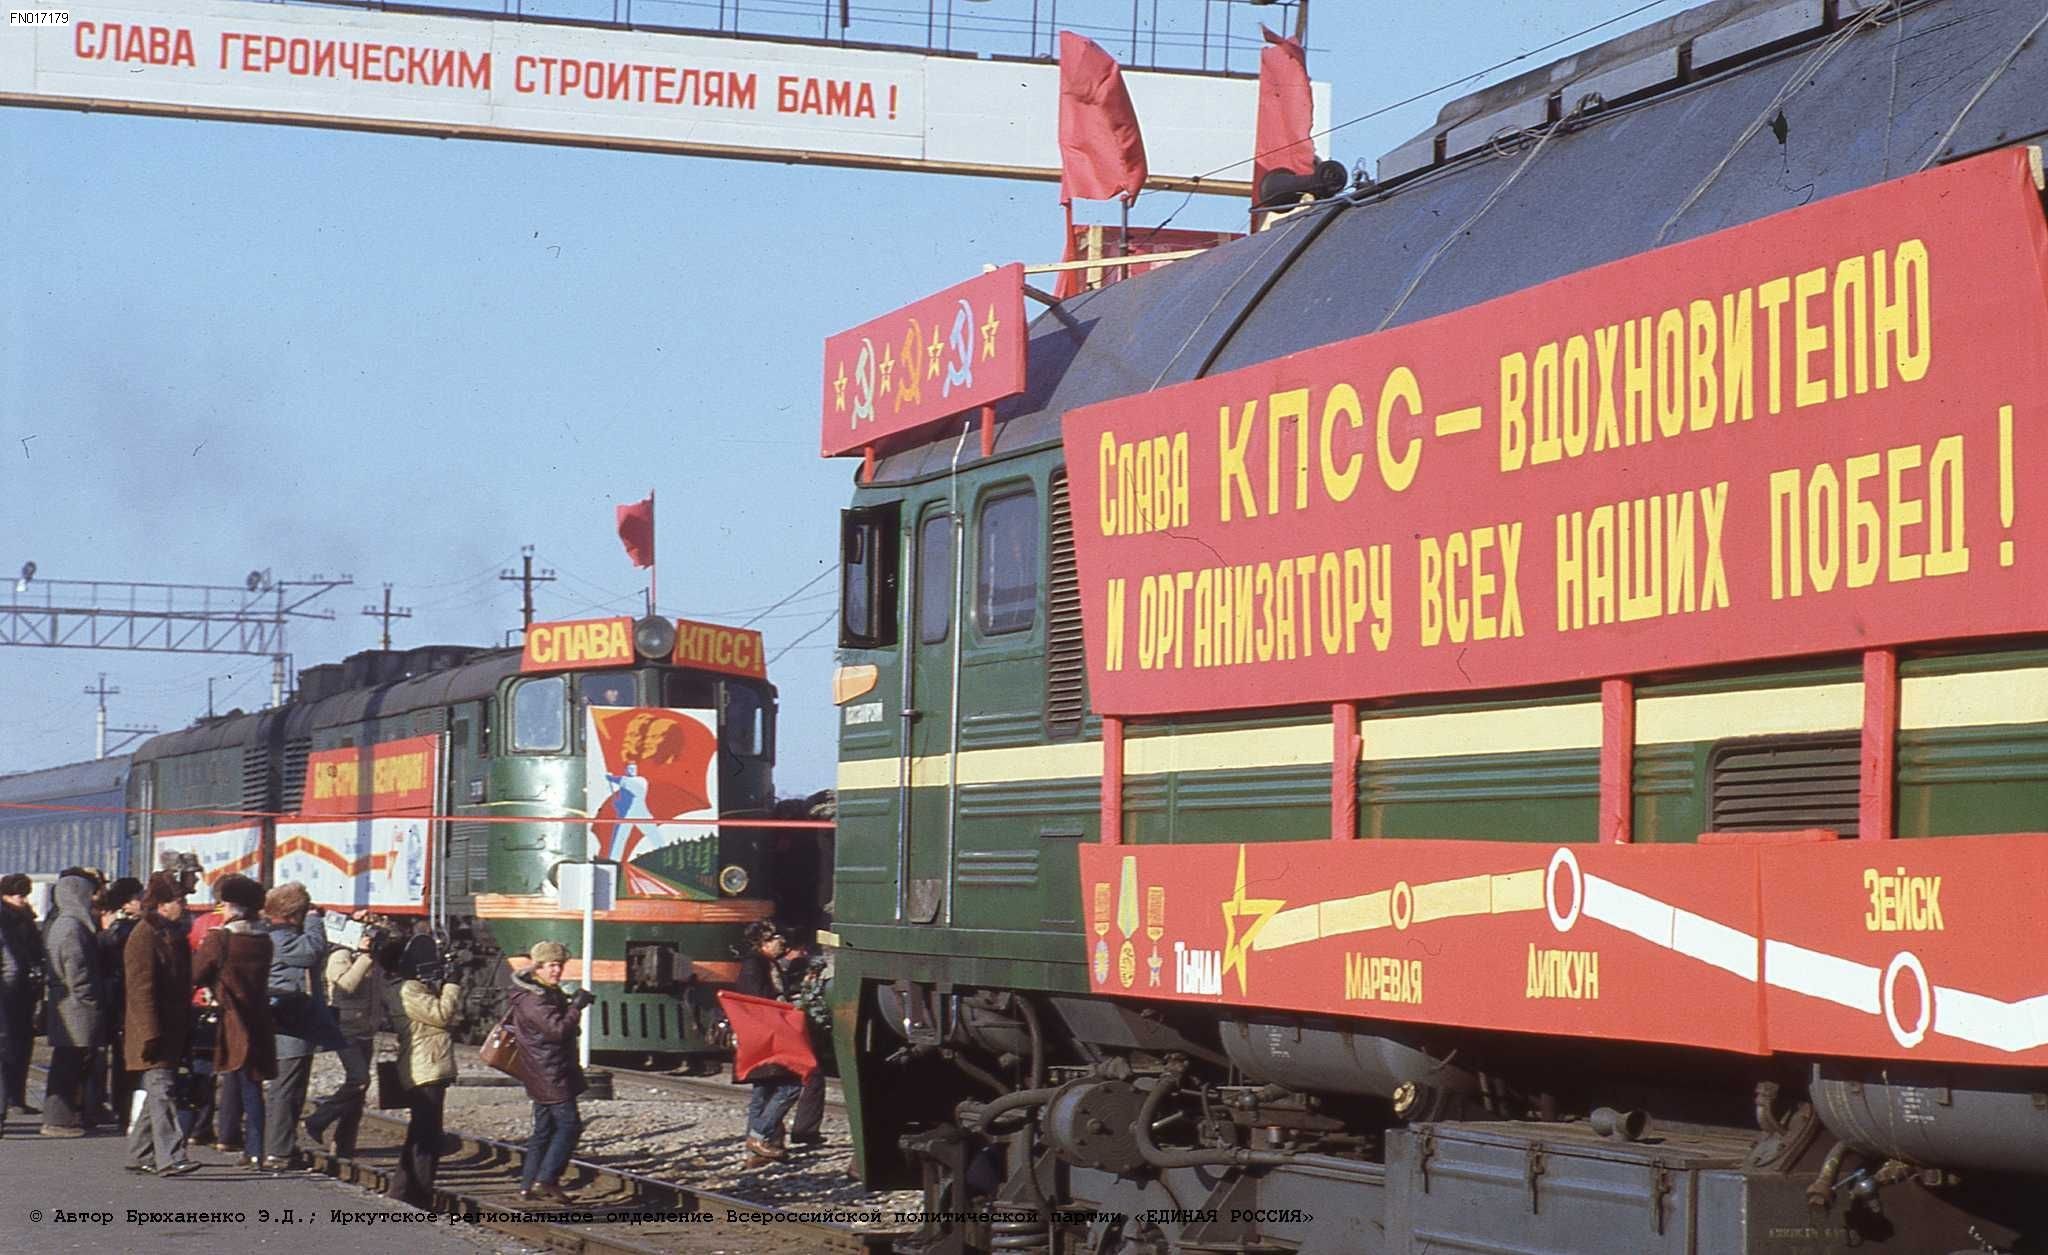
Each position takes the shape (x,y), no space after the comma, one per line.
(185,866)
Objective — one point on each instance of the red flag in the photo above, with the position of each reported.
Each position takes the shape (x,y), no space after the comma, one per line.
(636,531)
(767,1032)
(1102,153)
(1286,111)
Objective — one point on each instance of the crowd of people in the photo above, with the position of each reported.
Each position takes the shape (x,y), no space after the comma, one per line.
(202,1027)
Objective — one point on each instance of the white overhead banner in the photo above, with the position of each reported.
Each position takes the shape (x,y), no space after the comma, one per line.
(504,79)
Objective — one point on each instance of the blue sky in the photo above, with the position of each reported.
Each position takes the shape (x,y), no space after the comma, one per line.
(227,346)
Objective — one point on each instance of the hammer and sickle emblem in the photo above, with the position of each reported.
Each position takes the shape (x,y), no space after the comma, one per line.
(960,371)
(864,384)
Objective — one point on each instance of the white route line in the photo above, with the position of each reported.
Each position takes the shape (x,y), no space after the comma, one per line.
(2012,1027)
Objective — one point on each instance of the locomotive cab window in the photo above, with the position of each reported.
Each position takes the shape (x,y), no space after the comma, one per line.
(934,578)
(745,721)
(688,690)
(867,575)
(1006,570)
(609,688)
(538,707)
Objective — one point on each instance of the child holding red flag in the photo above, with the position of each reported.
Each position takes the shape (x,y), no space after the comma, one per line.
(771,1049)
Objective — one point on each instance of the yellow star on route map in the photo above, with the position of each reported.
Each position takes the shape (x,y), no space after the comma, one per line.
(888,366)
(934,351)
(1236,947)
(839,390)
(988,334)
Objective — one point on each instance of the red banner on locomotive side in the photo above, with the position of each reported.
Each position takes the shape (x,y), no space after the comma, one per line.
(1807,947)
(1801,435)
(944,355)
(398,777)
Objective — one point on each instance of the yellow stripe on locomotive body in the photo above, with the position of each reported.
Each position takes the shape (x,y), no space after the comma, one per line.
(1986,699)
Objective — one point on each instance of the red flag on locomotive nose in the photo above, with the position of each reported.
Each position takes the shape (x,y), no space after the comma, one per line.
(1102,153)
(766,1032)
(1286,111)
(636,531)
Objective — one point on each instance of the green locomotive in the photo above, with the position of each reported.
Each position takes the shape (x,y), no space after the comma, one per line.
(449,785)
(1227,973)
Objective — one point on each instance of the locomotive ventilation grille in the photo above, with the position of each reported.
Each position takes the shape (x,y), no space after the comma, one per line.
(296,752)
(255,778)
(1785,782)
(1066,675)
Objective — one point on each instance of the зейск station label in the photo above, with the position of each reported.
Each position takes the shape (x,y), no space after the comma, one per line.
(1796,436)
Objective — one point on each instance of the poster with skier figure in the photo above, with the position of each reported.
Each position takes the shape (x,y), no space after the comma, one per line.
(645,768)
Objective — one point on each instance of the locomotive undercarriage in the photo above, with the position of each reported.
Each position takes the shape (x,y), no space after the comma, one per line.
(1073,1124)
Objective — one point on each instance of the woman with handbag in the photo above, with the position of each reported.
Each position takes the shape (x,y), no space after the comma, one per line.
(546,1024)
(426,1058)
(235,961)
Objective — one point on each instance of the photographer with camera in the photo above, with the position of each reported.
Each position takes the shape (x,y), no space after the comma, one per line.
(355,989)
(426,1055)
(548,1025)
(298,1008)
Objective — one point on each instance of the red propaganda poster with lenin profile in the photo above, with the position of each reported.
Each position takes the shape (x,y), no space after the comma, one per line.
(646,767)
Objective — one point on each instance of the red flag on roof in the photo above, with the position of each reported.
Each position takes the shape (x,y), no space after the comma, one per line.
(766,1032)
(1286,111)
(636,531)
(1102,153)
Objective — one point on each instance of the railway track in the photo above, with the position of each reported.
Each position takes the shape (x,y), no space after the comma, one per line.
(615,1212)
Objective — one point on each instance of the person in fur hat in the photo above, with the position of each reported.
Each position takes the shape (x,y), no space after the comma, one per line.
(298,1008)
(120,911)
(157,989)
(234,961)
(547,1024)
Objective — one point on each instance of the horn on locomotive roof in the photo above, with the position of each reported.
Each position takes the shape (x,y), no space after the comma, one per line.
(1281,188)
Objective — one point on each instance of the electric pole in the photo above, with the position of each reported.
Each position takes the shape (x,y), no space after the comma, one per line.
(100,728)
(387,614)
(526,580)
(99,738)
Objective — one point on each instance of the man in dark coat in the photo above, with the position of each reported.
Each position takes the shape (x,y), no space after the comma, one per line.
(158,988)
(120,910)
(235,961)
(21,964)
(546,1023)
(75,1011)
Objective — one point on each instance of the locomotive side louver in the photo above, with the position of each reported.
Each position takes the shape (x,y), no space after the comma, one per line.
(1783,783)
(1066,671)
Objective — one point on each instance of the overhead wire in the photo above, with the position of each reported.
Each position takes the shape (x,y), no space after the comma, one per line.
(786,600)
(815,628)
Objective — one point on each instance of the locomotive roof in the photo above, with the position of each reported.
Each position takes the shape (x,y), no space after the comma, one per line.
(1878,96)
(472,680)
(72,780)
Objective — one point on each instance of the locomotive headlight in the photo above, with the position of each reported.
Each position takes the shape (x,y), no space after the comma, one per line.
(733,879)
(655,638)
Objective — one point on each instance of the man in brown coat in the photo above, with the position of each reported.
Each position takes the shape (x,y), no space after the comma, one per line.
(235,961)
(157,965)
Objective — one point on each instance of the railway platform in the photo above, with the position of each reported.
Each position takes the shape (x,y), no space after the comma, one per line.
(74,1194)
